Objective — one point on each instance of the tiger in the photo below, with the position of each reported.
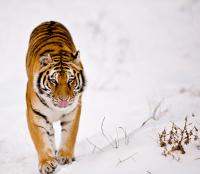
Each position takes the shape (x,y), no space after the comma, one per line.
(55,85)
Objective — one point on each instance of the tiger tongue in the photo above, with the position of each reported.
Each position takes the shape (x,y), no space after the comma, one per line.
(63,103)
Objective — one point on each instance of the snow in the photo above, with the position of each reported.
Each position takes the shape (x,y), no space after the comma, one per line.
(136,53)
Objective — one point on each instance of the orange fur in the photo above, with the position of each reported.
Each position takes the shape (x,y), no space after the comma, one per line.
(53,38)
(68,151)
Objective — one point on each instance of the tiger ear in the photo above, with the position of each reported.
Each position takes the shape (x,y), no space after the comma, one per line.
(45,60)
(76,55)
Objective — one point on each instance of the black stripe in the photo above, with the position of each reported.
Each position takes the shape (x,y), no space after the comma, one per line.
(44,80)
(57,68)
(55,55)
(40,114)
(39,81)
(65,64)
(37,44)
(83,81)
(64,130)
(42,101)
(63,115)
(40,46)
(47,132)
(63,123)
(59,35)
(47,31)
(47,51)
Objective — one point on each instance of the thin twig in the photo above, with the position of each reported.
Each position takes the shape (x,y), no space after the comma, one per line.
(110,140)
(153,116)
(117,138)
(125,159)
(94,145)
(126,137)
(197,158)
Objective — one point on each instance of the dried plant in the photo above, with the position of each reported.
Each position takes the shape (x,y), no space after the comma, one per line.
(175,139)
(114,141)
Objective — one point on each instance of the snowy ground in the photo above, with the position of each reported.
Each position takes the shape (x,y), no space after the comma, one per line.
(136,53)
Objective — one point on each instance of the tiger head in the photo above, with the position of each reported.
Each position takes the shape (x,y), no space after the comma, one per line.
(60,82)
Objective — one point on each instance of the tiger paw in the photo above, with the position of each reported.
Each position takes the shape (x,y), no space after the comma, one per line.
(64,158)
(48,166)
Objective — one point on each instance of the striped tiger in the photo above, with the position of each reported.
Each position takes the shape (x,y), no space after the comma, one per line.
(55,85)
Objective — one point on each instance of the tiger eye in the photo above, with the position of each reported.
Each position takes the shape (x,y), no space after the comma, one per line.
(53,81)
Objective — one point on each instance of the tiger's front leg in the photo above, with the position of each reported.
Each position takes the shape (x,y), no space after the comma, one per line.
(69,130)
(42,134)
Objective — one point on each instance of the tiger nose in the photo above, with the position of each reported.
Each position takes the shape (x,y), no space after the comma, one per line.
(64,98)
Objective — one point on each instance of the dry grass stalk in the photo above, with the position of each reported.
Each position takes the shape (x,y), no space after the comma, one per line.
(148,172)
(120,161)
(94,146)
(156,113)
(114,141)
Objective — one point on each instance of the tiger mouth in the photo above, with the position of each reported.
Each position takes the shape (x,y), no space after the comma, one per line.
(63,104)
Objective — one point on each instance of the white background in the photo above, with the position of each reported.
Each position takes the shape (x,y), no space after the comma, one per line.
(136,53)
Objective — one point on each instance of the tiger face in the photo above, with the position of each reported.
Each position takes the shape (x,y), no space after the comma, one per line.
(60,82)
